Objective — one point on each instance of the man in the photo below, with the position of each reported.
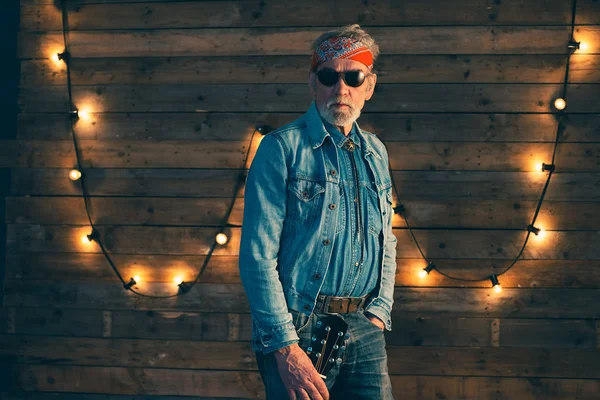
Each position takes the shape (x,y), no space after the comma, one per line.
(317,237)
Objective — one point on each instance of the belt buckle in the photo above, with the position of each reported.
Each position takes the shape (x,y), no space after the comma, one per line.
(326,304)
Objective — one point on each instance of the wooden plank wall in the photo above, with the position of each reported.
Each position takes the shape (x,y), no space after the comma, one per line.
(175,89)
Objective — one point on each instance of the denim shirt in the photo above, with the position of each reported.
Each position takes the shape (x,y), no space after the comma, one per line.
(356,249)
(289,226)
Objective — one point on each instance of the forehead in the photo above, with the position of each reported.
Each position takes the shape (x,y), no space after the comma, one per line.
(342,64)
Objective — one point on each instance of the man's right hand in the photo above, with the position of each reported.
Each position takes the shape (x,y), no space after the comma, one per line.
(299,376)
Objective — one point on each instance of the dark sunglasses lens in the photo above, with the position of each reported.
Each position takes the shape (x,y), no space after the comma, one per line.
(354,78)
(328,77)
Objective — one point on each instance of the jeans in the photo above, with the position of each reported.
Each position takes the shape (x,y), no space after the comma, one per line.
(361,374)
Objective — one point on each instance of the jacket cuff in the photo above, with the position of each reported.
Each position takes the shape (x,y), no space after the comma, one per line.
(381,311)
(278,337)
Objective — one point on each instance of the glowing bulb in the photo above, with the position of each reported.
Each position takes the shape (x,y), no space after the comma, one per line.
(498,288)
(560,104)
(178,280)
(136,278)
(583,46)
(84,114)
(221,238)
(85,239)
(74,174)
(541,234)
(422,274)
(55,58)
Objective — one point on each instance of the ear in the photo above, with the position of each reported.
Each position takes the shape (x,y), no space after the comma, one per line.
(312,83)
(372,80)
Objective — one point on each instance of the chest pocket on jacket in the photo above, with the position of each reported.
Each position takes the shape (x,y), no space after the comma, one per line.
(306,200)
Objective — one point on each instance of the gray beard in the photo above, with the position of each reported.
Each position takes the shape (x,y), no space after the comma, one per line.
(338,118)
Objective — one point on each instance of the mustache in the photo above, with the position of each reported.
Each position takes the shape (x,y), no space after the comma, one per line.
(340,100)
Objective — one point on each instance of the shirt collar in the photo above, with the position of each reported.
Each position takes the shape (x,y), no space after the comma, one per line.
(317,132)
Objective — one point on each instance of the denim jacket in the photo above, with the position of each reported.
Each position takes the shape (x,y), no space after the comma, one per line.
(288,227)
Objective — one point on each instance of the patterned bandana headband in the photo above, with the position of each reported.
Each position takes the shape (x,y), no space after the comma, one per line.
(342,47)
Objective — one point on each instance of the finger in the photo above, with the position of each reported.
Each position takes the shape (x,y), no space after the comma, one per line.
(302,395)
(291,394)
(312,390)
(321,387)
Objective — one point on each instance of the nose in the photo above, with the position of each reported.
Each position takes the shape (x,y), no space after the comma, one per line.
(340,88)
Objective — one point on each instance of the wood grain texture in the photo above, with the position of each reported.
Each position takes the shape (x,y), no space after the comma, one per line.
(295,98)
(406,156)
(230,298)
(296,41)
(238,356)
(451,185)
(161,15)
(408,68)
(444,243)
(389,127)
(439,213)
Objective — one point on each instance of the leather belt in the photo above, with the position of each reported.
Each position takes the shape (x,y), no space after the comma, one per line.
(339,305)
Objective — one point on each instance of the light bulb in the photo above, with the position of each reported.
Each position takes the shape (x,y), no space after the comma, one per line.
(422,273)
(583,46)
(178,280)
(84,114)
(55,58)
(541,234)
(498,288)
(74,174)
(221,238)
(137,278)
(85,239)
(560,104)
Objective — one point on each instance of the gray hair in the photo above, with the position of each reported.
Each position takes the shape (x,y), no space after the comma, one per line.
(353,31)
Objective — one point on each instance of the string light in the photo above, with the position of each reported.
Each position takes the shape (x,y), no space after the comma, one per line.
(425,271)
(184,287)
(74,174)
(560,103)
(90,237)
(221,238)
(533,229)
(495,283)
(64,56)
(548,167)
(573,45)
(399,209)
(128,285)
(583,47)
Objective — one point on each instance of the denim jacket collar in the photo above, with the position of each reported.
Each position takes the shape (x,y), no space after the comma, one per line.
(318,133)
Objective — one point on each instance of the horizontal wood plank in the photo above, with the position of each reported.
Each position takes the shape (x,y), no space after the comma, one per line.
(412,387)
(469,361)
(293,69)
(139,381)
(448,185)
(296,41)
(225,269)
(444,243)
(442,213)
(409,329)
(389,127)
(296,98)
(231,298)
(406,156)
(161,15)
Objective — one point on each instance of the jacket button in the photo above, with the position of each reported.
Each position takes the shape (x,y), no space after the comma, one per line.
(307,307)
(332,206)
(332,172)
(326,242)
(317,276)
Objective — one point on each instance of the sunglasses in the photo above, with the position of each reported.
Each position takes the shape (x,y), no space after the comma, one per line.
(329,77)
